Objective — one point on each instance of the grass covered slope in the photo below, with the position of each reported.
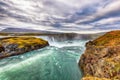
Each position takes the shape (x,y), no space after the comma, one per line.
(102,58)
(109,39)
(17,45)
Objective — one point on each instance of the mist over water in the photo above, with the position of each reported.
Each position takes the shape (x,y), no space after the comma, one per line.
(59,61)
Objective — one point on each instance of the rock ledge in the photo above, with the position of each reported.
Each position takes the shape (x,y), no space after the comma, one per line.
(11,46)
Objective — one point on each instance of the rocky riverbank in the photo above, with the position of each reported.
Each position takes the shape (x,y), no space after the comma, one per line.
(11,46)
(101,60)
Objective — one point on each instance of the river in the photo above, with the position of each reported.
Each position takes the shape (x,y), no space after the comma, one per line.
(59,61)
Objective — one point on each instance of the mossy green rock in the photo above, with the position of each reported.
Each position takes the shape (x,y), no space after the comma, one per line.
(18,45)
(102,57)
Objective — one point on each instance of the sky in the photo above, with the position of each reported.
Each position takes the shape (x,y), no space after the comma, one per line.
(88,16)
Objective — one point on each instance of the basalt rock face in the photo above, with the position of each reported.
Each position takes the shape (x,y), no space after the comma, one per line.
(18,45)
(101,60)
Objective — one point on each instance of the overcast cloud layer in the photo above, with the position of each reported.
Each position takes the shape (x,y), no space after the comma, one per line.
(61,15)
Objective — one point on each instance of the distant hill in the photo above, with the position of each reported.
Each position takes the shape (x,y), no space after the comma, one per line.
(12,30)
(22,30)
(57,35)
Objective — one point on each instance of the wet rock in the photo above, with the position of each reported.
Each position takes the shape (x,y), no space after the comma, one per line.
(1,48)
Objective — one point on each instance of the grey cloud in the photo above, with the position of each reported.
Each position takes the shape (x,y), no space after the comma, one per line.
(110,10)
(55,13)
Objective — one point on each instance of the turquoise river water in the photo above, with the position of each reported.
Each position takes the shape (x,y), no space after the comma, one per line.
(59,61)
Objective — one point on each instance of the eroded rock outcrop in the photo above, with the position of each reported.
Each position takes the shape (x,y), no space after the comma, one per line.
(18,45)
(101,60)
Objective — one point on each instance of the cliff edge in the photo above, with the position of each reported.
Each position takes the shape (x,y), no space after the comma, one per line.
(11,46)
(101,60)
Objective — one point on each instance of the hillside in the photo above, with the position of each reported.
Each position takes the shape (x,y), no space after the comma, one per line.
(101,59)
(109,39)
(14,30)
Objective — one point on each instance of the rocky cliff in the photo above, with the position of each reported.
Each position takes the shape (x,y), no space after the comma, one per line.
(101,60)
(18,45)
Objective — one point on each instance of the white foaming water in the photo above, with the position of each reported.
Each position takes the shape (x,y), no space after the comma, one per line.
(53,42)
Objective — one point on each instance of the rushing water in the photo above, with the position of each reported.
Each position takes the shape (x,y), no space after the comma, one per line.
(59,61)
